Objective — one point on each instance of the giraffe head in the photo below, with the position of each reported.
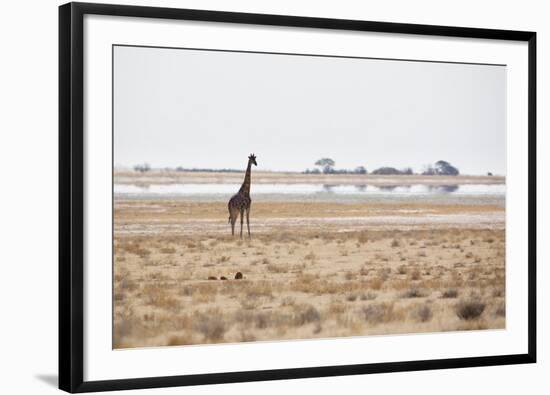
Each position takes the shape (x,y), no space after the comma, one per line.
(252,159)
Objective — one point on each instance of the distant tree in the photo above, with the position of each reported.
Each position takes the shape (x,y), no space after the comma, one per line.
(142,168)
(489,173)
(407,171)
(360,170)
(315,171)
(444,168)
(386,171)
(327,164)
(428,171)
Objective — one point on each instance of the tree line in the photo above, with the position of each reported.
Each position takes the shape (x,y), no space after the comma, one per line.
(439,168)
(327,166)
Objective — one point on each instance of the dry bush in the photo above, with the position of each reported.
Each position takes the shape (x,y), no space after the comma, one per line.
(264,320)
(469,310)
(368,296)
(142,252)
(318,328)
(415,275)
(126,284)
(384,273)
(288,301)
(351,297)
(187,290)
(362,238)
(349,276)
(375,283)
(211,325)
(423,313)
(402,269)
(449,293)
(223,259)
(413,293)
(500,311)
(305,314)
(378,313)
(395,243)
(126,324)
(168,250)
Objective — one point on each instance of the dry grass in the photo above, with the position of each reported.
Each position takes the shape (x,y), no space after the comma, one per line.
(309,283)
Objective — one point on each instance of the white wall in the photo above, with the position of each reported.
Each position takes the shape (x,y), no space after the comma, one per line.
(28,199)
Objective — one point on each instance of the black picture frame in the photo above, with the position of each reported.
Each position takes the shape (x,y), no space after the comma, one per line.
(71,204)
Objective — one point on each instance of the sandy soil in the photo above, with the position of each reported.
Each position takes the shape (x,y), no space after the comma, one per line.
(311,269)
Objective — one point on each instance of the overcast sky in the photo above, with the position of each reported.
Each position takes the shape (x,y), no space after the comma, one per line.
(209,109)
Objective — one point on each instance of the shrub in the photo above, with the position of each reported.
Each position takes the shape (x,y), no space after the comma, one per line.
(413,293)
(305,315)
(469,310)
(351,297)
(501,310)
(211,326)
(368,296)
(423,313)
(449,294)
(377,313)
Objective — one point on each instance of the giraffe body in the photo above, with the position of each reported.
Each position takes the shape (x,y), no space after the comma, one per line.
(240,203)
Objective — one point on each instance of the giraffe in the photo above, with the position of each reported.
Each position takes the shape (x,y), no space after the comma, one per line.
(241,202)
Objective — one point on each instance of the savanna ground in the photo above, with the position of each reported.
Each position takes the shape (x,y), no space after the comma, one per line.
(313,269)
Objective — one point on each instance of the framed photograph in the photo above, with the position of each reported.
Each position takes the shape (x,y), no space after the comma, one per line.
(251,197)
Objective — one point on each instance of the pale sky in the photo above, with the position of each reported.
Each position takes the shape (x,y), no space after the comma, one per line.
(208,109)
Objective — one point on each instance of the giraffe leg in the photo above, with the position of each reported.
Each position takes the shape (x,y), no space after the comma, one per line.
(242,220)
(248,221)
(233,215)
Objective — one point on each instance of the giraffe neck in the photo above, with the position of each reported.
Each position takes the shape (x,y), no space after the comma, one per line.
(245,188)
